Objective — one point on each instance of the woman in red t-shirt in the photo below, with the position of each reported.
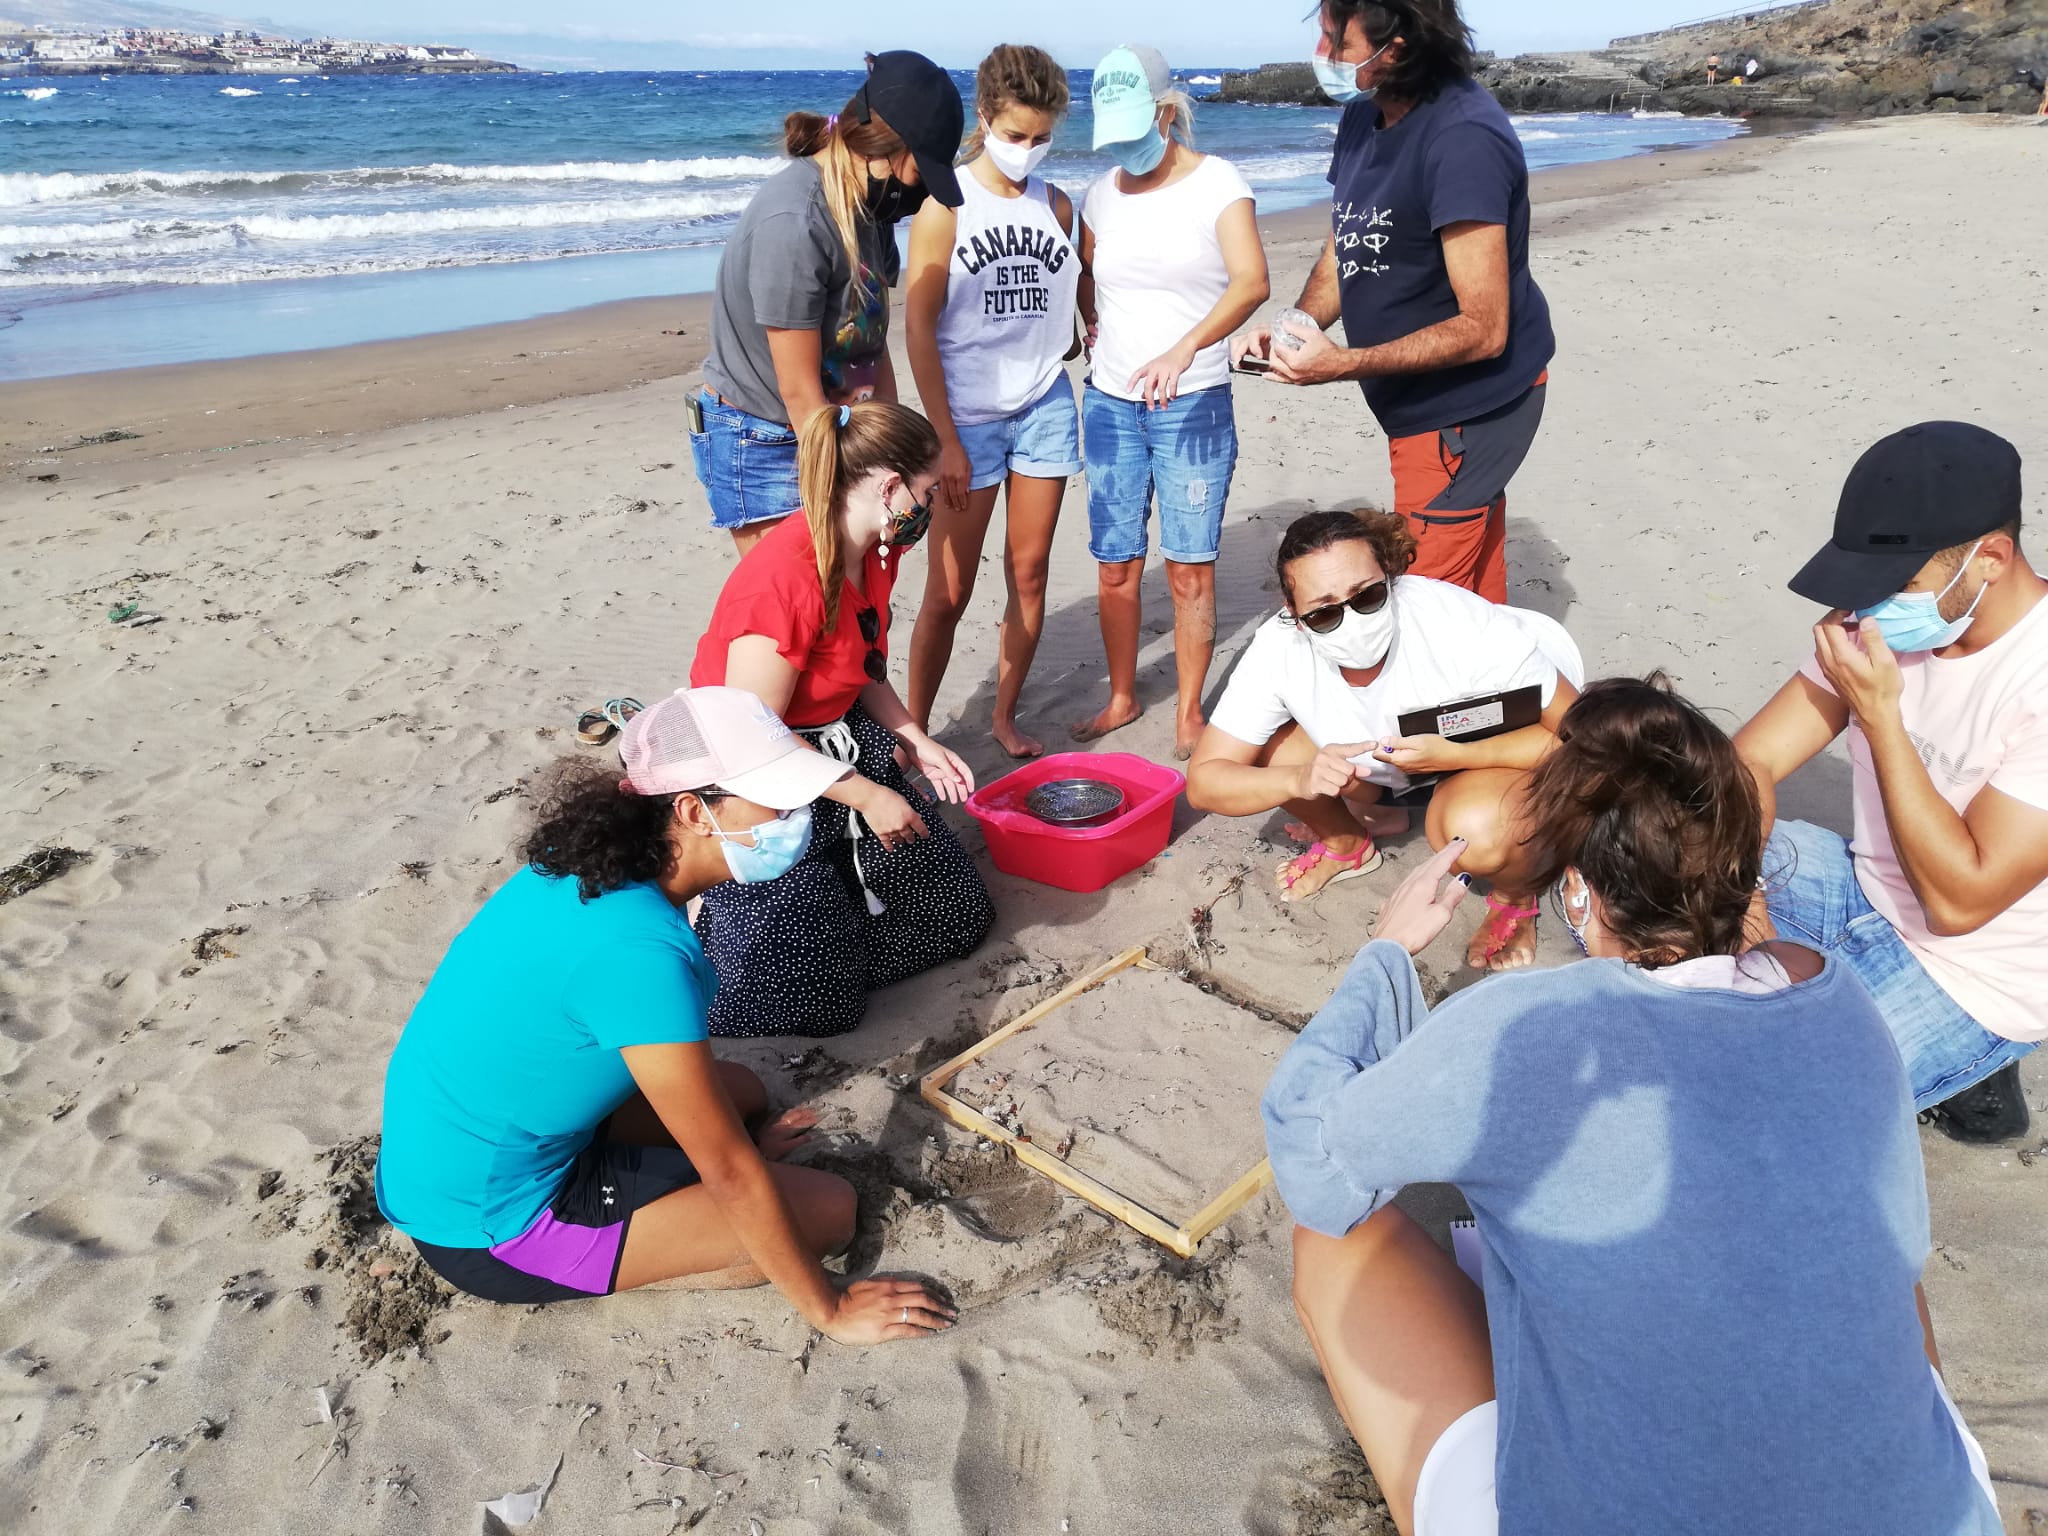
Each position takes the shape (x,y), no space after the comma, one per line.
(803,622)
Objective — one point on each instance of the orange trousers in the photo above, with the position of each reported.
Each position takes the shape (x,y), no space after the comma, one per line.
(1466,548)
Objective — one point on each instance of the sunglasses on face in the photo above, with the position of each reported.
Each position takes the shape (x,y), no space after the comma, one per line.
(1366,600)
(875,664)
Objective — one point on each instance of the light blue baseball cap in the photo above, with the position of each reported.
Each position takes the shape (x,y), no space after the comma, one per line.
(1128,84)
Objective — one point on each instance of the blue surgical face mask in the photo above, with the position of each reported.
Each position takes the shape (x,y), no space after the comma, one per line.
(1140,157)
(1912,621)
(1340,81)
(777,847)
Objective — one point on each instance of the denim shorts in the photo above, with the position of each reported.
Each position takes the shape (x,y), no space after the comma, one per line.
(1810,887)
(1043,441)
(746,464)
(1186,453)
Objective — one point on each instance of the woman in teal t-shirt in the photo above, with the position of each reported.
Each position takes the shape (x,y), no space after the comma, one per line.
(554,1123)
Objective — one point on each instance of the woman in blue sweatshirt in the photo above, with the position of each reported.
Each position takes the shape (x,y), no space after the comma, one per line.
(1701,1307)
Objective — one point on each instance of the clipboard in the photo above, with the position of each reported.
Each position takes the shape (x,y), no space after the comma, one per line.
(1475,719)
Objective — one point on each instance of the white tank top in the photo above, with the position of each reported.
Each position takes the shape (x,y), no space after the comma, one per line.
(1010,297)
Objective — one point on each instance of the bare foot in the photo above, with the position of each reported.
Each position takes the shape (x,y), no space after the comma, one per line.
(1506,941)
(1114,717)
(1306,874)
(1015,742)
(1378,821)
(1186,733)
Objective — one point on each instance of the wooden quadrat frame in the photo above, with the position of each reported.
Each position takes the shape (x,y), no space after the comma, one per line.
(1181,1237)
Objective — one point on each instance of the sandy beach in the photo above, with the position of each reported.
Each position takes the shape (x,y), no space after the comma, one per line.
(389,577)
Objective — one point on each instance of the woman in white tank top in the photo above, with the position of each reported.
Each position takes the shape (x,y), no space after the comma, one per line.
(989,323)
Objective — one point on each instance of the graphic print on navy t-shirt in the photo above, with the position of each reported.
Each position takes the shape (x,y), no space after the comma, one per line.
(1018,261)
(1363,232)
(1454,159)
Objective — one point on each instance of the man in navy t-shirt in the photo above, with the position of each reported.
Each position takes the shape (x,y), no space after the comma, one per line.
(1428,264)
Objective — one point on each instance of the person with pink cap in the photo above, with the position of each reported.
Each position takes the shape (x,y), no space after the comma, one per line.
(555,1125)
(886,891)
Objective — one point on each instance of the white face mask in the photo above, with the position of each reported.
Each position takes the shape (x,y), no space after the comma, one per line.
(1016,161)
(1360,642)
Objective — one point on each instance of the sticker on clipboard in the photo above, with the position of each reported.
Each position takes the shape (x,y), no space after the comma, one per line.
(1464,720)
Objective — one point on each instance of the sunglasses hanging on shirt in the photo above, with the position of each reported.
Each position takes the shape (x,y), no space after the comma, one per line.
(875,664)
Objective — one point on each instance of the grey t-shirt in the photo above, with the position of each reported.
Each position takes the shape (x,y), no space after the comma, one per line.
(785,267)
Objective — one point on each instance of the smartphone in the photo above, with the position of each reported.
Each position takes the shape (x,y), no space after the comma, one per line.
(693,410)
(1250,364)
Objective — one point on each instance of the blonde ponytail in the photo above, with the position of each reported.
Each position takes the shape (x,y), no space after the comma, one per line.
(847,144)
(836,446)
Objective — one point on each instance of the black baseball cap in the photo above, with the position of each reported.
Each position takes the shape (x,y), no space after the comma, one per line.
(1912,495)
(921,103)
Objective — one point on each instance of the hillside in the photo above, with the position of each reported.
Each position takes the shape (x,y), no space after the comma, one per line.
(100,15)
(1836,58)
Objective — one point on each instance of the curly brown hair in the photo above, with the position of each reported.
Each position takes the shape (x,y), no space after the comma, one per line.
(586,826)
(1016,75)
(1646,797)
(1393,545)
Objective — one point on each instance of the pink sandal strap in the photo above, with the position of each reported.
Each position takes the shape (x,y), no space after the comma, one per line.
(1307,860)
(1502,914)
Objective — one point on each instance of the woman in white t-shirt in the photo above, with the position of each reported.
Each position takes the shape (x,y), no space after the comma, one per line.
(1173,265)
(989,321)
(1311,718)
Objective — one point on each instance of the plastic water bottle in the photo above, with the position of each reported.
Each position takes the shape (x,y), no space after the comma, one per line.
(1289,321)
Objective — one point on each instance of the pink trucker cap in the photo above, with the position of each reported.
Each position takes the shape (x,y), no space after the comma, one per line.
(700,738)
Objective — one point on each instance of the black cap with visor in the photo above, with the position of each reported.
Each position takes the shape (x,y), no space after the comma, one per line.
(920,102)
(1912,495)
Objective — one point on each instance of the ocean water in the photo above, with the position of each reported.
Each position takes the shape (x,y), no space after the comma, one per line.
(148,220)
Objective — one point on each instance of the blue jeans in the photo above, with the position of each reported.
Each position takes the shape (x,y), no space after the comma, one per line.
(1186,453)
(1042,441)
(746,464)
(1810,887)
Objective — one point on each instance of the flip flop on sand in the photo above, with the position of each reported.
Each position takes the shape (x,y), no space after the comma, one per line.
(595,727)
(1349,867)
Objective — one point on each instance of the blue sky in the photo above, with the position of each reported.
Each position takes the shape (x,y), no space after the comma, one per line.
(661,34)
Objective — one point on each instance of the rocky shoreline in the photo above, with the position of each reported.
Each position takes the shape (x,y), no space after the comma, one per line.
(29,69)
(1833,58)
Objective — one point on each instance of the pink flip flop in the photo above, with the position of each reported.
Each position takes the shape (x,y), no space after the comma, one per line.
(1350,866)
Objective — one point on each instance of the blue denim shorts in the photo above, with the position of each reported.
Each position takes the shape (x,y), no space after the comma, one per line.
(1185,453)
(746,464)
(1810,887)
(1043,441)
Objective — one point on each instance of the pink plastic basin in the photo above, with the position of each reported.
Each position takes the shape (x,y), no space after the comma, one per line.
(1078,858)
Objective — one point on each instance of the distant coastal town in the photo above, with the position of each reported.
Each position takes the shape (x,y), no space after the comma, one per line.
(158,51)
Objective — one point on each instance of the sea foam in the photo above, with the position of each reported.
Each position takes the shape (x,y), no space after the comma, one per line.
(20,189)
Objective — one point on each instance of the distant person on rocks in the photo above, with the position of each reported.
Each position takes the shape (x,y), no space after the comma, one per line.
(1754,71)
(1934,658)
(1428,265)
(555,1125)
(800,312)
(1700,1307)
(1713,69)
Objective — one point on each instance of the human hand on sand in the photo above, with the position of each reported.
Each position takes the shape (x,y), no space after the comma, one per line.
(1861,668)
(877,1311)
(1318,360)
(1421,906)
(785,1133)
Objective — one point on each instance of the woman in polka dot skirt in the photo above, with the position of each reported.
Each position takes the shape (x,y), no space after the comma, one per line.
(803,622)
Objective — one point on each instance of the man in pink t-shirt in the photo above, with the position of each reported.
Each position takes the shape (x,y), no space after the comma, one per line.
(1935,660)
